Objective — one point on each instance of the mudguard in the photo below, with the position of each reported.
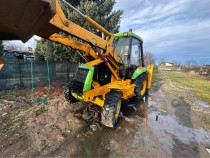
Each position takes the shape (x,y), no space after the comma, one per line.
(141,70)
(138,72)
(89,78)
(83,80)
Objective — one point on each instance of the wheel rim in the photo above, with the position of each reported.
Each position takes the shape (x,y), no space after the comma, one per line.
(144,83)
(118,109)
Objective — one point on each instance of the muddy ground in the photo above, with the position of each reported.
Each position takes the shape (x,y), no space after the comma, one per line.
(168,123)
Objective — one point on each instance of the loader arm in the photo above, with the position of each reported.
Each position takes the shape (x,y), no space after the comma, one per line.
(86,48)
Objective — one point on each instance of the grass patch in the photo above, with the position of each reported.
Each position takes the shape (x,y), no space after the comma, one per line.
(11,93)
(17,123)
(41,110)
(10,122)
(23,99)
(206,120)
(2,102)
(5,123)
(156,77)
(198,84)
(5,119)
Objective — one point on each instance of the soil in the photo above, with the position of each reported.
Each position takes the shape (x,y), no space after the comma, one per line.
(161,125)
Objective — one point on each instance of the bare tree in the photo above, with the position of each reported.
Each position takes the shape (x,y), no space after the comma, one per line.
(161,61)
(191,63)
(177,63)
(13,46)
(203,62)
(149,59)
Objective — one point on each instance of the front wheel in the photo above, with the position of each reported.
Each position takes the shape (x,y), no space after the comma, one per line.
(141,86)
(111,109)
(67,93)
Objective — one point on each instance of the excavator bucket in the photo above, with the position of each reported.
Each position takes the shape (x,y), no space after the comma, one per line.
(21,19)
(1,62)
(150,70)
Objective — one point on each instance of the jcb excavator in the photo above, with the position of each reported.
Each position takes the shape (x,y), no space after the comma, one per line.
(115,67)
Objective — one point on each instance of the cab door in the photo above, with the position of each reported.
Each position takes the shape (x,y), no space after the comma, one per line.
(136,56)
(135,53)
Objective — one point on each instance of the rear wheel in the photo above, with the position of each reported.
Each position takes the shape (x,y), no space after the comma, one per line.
(67,93)
(111,109)
(141,86)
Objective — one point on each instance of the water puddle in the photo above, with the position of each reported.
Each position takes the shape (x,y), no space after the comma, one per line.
(153,127)
(201,103)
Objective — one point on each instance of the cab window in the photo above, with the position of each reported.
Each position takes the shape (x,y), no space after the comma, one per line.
(122,48)
(135,53)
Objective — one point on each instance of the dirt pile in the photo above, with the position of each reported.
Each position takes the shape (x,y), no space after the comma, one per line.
(42,129)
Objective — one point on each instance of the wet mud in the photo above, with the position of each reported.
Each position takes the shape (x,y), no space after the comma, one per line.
(159,126)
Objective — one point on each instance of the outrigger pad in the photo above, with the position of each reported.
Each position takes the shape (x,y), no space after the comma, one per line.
(21,19)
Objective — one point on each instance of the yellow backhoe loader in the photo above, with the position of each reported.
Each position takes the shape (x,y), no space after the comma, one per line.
(110,76)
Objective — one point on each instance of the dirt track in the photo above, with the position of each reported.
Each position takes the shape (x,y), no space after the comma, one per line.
(163,125)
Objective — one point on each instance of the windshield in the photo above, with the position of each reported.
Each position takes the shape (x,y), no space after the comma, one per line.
(121,46)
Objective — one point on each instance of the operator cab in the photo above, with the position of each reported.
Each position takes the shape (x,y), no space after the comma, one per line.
(129,48)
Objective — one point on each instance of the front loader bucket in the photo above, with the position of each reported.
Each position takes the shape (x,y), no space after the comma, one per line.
(21,19)
(1,62)
(150,73)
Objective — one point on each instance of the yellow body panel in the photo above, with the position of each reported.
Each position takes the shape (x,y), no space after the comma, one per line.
(95,84)
(150,70)
(124,86)
(98,101)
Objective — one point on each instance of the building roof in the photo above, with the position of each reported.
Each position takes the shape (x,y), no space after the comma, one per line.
(19,52)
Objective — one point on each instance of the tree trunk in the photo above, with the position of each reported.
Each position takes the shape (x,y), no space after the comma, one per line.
(49,50)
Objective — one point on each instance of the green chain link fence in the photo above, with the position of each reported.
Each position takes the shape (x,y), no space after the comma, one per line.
(16,73)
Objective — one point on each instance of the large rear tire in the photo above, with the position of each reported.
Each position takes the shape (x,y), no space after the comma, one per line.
(67,93)
(111,109)
(141,83)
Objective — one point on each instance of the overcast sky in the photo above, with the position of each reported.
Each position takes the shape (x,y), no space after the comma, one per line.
(177,30)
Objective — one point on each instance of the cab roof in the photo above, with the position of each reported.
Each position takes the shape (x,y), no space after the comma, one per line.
(124,34)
